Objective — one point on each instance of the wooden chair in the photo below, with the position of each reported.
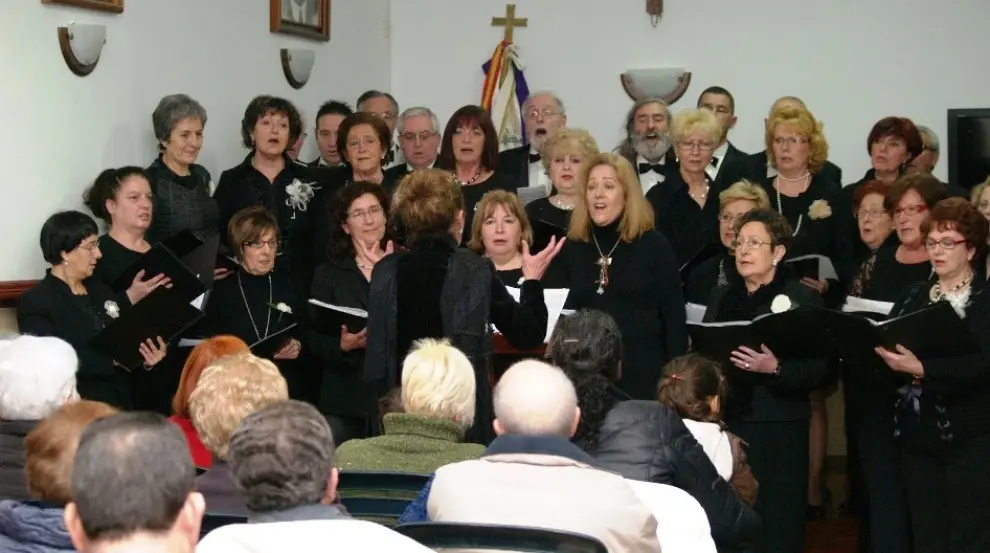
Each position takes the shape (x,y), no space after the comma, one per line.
(379,497)
(436,535)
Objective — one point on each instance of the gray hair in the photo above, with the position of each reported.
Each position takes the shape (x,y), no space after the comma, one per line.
(534,398)
(626,148)
(560,103)
(417,112)
(931,136)
(371,95)
(172,109)
(37,376)
(281,456)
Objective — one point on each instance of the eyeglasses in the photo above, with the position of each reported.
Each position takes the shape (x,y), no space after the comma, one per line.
(911,209)
(386,115)
(866,214)
(729,218)
(790,140)
(372,212)
(749,244)
(691,146)
(946,243)
(546,113)
(413,137)
(258,244)
(91,246)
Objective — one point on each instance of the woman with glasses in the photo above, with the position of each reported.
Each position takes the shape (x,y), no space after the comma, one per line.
(941,413)
(734,202)
(684,204)
(257,302)
(768,407)
(357,243)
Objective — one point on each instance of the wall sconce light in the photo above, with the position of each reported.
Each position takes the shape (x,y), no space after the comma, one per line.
(297,66)
(81,46)
(668,83)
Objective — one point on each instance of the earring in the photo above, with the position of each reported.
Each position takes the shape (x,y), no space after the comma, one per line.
(774,262)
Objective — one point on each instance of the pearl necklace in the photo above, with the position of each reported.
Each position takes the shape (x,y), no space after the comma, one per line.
(561,206)
(780,208)
(701,196)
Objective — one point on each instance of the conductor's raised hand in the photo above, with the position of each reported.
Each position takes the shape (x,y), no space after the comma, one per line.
(535,265)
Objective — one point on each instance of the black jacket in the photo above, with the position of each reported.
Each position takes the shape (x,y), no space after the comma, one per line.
(643,440)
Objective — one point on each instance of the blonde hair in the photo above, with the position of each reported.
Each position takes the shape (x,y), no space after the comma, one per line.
(786,100)
(228,391)
(567,142)
(637,216)
(690,121)
(438,381)
(427,201)
(744,190)
(805,124)
(974,196)
(486,208)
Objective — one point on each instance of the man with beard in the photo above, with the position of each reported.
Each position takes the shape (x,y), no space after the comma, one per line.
(543,114)
(648,145)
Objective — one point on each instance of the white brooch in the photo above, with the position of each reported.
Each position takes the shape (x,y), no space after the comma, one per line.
(820,209)
(780,304)
(283,308)
(112,309)
(298,194)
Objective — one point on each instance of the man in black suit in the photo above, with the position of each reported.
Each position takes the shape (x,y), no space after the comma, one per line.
(720,101)
(328,119)
(543,113)
(648,145)
(419,139)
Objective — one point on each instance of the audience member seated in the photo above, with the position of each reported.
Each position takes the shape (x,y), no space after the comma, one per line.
(203,355)
(227,392)
(438,391)
(37,375)
(532,475)
(38,526)
(641,440)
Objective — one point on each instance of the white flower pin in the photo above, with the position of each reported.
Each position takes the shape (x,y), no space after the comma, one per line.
(283,308)
(780,304)
(298,194)
(112,309)
(819,209)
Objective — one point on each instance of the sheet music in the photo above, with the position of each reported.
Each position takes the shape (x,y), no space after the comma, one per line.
(862,305)
(555,298)
(826,269)
(198,302)
(531,193)
(353,311)
(695,313)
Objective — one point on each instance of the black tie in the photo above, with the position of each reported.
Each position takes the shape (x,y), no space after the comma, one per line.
(533,158)
(715,162)
(647,167)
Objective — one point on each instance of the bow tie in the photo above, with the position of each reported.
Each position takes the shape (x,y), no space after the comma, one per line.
(714,162)
(533,158)
(647,167)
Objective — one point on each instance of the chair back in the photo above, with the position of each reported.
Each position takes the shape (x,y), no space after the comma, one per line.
(379,497)
(212,521)
(436,535)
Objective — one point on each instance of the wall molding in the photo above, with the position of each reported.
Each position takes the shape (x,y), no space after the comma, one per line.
(11,290)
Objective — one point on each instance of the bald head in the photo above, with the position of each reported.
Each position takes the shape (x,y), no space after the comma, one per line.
(788,102)
(535,399)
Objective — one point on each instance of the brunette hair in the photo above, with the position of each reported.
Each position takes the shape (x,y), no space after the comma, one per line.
(469,116)
(105,188)
(688,384)
(777,226)
(899,127)
(511,203)
(963,217)
(363,118)
(202,356)
(867,188)
(341,246)
(51,447)
(427,202)
(637,215)
(264,105)
(248,224)
(928,187)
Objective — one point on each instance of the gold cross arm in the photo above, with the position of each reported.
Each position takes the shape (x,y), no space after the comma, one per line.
(509,21)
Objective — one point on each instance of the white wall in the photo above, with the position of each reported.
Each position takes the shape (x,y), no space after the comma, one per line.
(59,130)
(853,61)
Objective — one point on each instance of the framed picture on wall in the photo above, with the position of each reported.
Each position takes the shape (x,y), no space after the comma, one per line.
(115,6)
(305,18)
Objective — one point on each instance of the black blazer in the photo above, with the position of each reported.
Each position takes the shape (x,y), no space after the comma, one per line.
(734,157)
(515,163)
(51,309)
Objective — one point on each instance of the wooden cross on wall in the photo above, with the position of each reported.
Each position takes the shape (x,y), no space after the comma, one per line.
(509,21)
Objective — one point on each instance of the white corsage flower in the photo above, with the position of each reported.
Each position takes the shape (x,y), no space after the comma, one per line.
(819,209)
(780,304)
(281,307)
(112,309)
(298,194)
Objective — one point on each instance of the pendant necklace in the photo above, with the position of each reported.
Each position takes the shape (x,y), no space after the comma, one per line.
(248,307)
(604,261)
(470,181)
(780,207)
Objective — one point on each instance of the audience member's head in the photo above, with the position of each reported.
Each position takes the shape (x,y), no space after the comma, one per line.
(50,448)
(535,399)
(438,382)
(283,457)
(37,375)
(230,390)
(132,483)
(203,355)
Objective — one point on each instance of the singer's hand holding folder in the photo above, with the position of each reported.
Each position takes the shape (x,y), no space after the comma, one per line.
(354,318)
(266,348)
(190,272)
(797,333)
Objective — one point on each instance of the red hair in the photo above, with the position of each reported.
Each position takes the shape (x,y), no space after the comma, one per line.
(202,356)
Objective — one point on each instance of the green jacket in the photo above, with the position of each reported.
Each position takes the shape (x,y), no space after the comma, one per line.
(411,443)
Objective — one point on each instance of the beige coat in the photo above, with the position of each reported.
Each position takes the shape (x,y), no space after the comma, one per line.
(546,491)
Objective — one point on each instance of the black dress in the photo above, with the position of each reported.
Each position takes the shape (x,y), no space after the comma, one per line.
(241,305)
(944,431)
(770,413)
(182,203)
(548,221)
(474,192)
(643,295)
(51,309)
(348,402)
(688,226)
